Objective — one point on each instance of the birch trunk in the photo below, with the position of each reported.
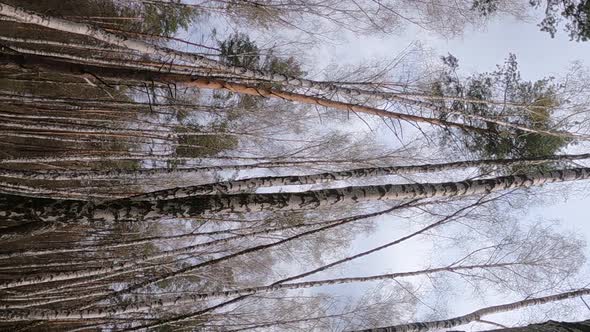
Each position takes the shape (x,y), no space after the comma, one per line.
(44,314)
(123,244)
(478,314)
(146,48)
(136,265)
(22,190)
(49,210)
(247,185)
(207,83)
(117,267)
(186,299)
(114,173)
(249,251)
(90,129)
(29,17)
(549,326)
(130,63)
(322,268)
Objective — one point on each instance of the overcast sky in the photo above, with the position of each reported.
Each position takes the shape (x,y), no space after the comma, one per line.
(478,50)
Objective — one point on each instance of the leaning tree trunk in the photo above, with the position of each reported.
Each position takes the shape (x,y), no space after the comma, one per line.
(135,265)
(478,314)
(16,208)
(549,326)
(26,16)
(200,82)
(191,298)
(250,184)
(217,84)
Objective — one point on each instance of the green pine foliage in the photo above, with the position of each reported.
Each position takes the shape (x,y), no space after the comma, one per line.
(576,13)
(505,84)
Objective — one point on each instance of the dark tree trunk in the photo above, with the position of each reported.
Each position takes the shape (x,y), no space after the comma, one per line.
(550,326)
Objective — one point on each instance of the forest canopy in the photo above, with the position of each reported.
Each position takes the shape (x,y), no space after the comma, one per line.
(175,165)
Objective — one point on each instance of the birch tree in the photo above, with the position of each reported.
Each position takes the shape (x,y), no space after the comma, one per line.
(475,315)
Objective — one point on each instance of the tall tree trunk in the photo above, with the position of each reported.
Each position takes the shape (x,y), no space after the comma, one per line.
(335,263)
(56,277)
(478,314)
(185,299)
(247,185)
(97,33)
(137,263)
(150,49)
(138,45)
(50,210)
(549,326)
(219,84)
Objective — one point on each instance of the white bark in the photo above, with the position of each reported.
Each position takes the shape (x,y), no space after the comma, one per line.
(70,211)
(478,314)
(146,48)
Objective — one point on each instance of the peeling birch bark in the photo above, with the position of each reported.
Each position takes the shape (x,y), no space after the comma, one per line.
(251,184)
(70,211)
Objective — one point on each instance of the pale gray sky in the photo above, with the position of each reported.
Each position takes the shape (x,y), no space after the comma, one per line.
(478,50)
